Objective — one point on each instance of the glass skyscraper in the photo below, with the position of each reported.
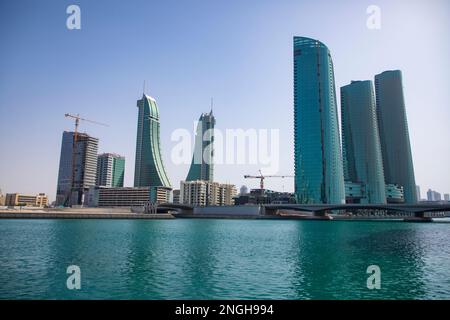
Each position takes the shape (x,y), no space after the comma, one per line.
(360,141)
(149,167)
(110,170)
(202,166)
(394,135)
(318,161)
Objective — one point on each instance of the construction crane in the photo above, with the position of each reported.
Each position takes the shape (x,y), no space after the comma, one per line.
(74,145)
(262,177)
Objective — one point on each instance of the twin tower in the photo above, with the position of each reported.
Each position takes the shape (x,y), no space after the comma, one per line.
(375,164)
(149,166)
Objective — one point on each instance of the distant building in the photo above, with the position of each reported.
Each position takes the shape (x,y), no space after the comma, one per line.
(243,190)
(176,196)
(110,170)
(149,167)
(446,197)
(437,196)
(433,195)
(361,148)
(394,135)
(2,198)
(206,193)
(127,196)
(84,153)
(17,199)
(418,193)
(255,196)
(319,174)
(202,166)
(430,195)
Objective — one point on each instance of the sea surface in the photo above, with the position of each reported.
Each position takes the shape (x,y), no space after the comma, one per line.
(223,259)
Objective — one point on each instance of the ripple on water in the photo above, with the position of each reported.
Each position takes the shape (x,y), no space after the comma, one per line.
(223,259)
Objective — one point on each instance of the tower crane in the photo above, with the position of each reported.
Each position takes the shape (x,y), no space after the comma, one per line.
(262,177)
(77,119)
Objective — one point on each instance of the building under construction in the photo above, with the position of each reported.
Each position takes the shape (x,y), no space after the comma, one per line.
(264,196)
(78,163)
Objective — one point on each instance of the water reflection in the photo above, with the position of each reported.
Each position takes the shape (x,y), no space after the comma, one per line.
(223,259)
(332,259)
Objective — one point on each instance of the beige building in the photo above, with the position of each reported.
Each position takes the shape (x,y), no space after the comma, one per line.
(126,196)
(206,193)
(17,199)
(2,199)
(227,192)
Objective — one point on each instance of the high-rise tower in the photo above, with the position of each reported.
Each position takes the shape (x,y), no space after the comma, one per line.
(83,170)
(394,135)
(149,167)
(202,166)
(360,141)
(318,161)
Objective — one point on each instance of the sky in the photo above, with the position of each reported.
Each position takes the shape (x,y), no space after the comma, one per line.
(238,52)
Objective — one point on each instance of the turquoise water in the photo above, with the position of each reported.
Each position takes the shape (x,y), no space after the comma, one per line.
(223,259)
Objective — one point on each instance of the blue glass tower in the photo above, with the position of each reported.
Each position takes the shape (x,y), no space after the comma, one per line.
(394,134)
(361,148)
(202,166)
(149,168)
(319,174)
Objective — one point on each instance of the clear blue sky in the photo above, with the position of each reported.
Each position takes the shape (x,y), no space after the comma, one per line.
(239,52)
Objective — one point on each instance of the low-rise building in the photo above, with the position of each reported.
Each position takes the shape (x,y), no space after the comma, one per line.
(127,196)
(394,193)
(2,198)
(17,199)
(206,193)
(354,192)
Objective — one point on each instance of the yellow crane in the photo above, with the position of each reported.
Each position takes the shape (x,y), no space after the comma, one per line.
(77,119)
(262,177)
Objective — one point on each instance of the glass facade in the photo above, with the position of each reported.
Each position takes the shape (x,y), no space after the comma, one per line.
(360,140)
(149,167)
(394,135)
(202,166)
(84,169)
(394,193)
(110,170)
(318,161)
(118,171)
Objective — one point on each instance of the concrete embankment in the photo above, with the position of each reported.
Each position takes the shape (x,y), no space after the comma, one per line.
(247,212)
(80,213)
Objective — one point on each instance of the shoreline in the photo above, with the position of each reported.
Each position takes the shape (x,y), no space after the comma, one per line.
(126,213)
(80,213)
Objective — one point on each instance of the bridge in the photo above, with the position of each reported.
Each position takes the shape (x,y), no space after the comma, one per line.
(165,207)
(418,210)
(318,210)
